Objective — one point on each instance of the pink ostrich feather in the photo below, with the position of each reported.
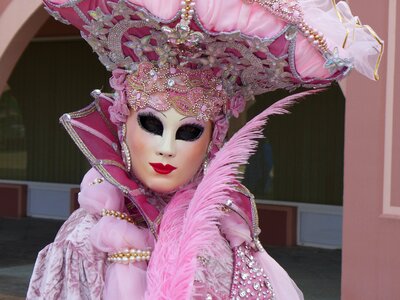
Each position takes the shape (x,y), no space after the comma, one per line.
(189,223)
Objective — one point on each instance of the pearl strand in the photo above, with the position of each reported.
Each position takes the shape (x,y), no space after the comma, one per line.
(116,214)
(316,38)
(187,10)
(129,256)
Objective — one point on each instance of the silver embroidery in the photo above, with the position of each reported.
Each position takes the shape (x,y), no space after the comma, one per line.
(56,15)
(125,34)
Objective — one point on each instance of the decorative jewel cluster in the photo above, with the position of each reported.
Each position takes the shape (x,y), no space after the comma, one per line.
(129,256)
(334,62)
(249,279)
(191,92)
(182,34)
(116,214)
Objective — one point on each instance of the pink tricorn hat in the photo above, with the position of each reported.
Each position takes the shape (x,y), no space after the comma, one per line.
(258,45)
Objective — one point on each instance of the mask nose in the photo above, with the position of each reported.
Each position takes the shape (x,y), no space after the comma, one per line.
(167,147)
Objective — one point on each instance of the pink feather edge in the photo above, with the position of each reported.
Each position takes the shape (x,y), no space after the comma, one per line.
(174,260)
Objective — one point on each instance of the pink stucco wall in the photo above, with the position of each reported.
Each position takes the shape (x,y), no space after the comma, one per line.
(3,5)
(371,227)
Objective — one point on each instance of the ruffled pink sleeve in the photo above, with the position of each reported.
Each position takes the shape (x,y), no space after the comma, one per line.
(75,265)
(69,268)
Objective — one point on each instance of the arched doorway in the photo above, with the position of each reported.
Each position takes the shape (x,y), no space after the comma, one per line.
(19,21)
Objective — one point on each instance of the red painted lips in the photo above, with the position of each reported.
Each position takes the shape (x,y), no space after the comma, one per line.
(162,169)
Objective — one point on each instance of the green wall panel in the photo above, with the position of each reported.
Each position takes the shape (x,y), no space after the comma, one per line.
(52,78)
(306,148)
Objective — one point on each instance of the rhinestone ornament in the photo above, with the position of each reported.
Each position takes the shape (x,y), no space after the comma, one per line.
(249,279)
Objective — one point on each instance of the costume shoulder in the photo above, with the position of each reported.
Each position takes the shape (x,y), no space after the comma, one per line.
(242,203)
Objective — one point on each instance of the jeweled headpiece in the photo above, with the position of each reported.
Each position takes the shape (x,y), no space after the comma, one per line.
(192,93)
(258,45)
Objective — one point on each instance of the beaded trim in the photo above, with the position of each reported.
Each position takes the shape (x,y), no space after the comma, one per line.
(315,37)
(129,256)
(191,92)
(116,214)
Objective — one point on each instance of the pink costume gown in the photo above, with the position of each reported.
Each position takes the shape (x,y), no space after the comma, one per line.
(234,267)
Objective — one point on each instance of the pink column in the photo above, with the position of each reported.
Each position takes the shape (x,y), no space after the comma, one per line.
(19,21)
(371,225)
(3,5)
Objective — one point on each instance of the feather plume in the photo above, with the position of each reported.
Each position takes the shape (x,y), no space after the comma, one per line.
(189,223)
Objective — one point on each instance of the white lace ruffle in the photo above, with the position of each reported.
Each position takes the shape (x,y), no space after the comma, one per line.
(344,32)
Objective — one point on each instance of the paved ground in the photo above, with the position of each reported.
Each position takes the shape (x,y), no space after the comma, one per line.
(316,271)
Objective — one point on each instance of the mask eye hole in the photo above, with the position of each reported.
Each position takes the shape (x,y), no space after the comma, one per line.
(150,123)
(189,132)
